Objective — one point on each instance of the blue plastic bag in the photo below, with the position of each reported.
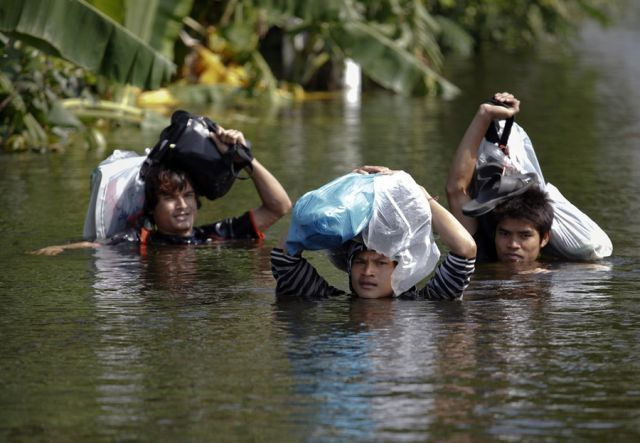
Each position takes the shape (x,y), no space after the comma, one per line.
(328,216)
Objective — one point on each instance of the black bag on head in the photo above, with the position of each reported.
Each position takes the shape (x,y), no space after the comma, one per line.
(187,146)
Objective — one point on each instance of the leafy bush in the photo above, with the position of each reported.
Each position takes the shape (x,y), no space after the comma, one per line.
(31,86)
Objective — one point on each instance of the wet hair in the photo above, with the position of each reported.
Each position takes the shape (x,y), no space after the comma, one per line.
(354,248)
(532,205)
(162,180)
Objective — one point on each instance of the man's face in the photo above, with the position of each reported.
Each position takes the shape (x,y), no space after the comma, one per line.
(175,213)
(518,241)
(371,275)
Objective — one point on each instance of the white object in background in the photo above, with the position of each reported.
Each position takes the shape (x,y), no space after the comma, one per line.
(352,81)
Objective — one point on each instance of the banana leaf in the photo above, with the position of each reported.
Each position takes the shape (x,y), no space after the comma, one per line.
(156,22)
(385,62)
(79,33)
(346,29)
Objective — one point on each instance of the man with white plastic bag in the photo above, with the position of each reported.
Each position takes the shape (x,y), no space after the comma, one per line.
(497,191)
(380,222)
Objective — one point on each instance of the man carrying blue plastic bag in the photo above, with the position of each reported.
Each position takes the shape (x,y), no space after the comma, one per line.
(380,222)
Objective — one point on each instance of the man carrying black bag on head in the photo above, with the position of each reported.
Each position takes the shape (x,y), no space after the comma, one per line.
(195,157)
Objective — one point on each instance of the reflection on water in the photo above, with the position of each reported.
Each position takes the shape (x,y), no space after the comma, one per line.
(184,343)
(525,357)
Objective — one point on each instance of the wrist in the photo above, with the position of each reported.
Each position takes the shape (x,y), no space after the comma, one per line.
(485,112)
(249,167)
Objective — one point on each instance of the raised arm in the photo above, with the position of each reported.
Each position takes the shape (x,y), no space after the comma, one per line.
(464,160)
(452,233)
(275,201)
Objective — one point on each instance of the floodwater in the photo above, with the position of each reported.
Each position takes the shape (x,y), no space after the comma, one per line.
(189,344)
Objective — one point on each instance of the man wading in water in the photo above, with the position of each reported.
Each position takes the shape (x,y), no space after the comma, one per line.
(171,205)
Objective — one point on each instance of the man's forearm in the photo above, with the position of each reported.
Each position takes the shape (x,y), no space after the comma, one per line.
(464,161)
(275,201)
(463,165)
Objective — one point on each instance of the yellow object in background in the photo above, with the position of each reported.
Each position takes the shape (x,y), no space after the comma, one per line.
(158,97)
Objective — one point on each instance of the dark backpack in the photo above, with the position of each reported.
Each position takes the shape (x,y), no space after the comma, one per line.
(186,145)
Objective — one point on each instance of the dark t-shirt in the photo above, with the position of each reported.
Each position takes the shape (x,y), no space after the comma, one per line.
(225,229)
(485,239)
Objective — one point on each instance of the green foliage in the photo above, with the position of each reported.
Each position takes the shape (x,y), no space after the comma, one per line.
(514,24)
(155,22)
(378,34)
(400,44)
(79,33)
(33,86)
(30,87)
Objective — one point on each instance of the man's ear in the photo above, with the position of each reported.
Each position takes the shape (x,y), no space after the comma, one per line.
(545,239)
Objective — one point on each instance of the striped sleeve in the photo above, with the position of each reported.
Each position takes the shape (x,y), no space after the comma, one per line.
(296,277)
(451,278)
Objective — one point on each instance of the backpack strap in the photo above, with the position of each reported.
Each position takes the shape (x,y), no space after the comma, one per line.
(245,155)
(492,132)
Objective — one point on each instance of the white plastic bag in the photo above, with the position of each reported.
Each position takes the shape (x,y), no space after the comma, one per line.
(573,234)
(522,157)
(400,228)
(117,194)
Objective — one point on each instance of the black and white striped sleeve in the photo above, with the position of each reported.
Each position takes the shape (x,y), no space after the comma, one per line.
(451,278)
(296,277)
